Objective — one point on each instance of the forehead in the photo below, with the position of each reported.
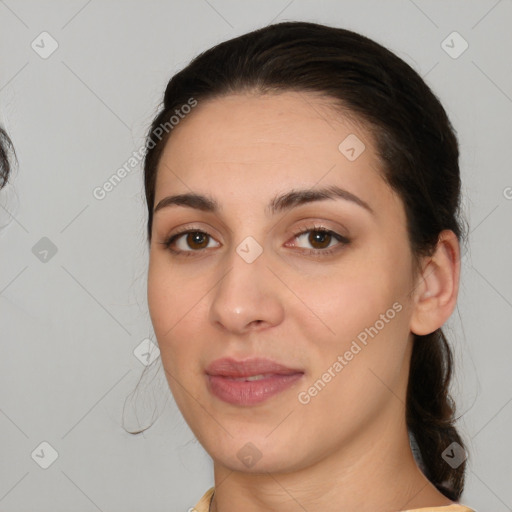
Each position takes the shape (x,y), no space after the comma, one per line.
(279,123)
(250,144)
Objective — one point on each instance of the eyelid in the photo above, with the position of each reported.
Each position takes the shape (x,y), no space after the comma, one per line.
(312,225)
(307,226)
(191,226)
(183,230)
(342,240)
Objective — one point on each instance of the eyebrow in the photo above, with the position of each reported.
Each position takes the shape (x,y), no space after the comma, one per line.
(278,204)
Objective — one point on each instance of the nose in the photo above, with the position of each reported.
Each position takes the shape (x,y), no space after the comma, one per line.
(248,297)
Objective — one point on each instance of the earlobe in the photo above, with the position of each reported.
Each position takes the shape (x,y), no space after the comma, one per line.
(437,286)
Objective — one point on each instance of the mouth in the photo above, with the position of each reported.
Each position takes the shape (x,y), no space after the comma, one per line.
(251,381)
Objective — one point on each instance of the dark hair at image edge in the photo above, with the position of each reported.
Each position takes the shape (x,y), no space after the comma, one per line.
(416,144)
(6,150)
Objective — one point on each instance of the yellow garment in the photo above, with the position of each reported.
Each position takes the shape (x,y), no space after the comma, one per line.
(204,503)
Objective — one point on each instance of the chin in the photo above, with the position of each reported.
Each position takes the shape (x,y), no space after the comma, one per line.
(255,454)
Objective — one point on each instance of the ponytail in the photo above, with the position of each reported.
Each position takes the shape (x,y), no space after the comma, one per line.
(430,413)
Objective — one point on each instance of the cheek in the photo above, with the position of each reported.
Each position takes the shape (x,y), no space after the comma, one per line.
(347,301)
(171,296)
(353,371)
(172,326)
(177,307)
(360,310)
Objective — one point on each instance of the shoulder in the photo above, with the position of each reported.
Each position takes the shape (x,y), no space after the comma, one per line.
(449,508)
(204,503)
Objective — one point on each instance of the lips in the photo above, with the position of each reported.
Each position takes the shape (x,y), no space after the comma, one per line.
(250,381)
(228,367)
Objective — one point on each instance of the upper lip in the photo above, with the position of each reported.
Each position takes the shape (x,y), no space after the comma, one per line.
(229,367)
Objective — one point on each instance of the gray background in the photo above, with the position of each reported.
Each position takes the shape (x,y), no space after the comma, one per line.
(72,321)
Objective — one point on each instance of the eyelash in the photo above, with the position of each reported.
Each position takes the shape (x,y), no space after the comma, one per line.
(302,231)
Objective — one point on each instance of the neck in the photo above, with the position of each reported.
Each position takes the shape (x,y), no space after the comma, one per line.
(376,471)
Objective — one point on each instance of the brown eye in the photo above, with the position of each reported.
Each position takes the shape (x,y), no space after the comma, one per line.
(188,242)
(320,237)
(193,242)
(197,240)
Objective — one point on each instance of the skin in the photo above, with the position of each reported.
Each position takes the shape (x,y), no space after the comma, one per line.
(347,449)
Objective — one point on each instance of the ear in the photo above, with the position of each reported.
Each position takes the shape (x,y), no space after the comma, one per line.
(437,286)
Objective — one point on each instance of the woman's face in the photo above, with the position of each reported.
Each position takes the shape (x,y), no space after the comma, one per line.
(259,281)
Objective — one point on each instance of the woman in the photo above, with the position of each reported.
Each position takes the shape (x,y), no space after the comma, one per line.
(303,193)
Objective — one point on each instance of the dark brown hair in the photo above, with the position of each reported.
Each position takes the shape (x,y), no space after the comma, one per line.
(6,150)
(419,153)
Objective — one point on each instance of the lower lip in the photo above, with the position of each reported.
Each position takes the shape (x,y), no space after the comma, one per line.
(240,392)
